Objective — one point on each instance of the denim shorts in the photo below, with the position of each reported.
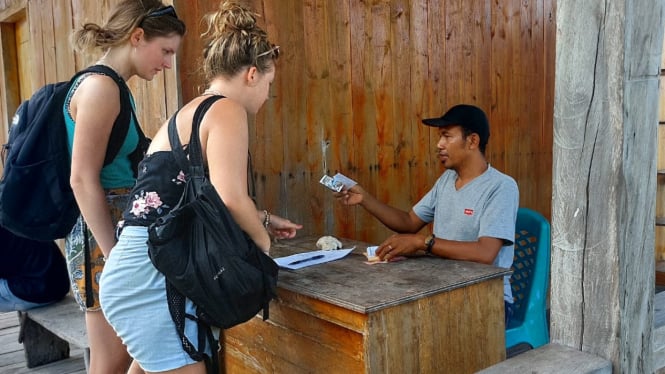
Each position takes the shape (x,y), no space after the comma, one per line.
(133,299)
(10,303)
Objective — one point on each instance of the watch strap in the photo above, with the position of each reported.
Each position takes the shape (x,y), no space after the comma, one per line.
(429,243)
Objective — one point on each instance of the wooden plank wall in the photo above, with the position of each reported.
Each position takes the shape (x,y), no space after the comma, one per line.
(660,190)
(354,80)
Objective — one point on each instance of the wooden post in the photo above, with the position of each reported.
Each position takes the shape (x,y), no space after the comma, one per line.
(604,178)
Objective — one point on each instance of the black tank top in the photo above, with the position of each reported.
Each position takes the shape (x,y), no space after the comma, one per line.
(158,188)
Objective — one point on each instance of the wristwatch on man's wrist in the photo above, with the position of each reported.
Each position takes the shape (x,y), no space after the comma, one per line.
(429,243)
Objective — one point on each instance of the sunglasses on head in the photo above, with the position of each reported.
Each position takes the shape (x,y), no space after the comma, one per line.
(165,11)
(274,50)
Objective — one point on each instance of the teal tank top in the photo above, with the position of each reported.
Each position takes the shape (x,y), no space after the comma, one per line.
(118,173)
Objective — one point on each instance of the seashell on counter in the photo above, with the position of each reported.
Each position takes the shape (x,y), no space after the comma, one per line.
(328,243)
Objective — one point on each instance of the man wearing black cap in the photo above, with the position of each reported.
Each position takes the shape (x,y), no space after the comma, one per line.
(473,206)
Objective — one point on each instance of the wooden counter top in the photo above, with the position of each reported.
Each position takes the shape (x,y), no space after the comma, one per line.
(354,285)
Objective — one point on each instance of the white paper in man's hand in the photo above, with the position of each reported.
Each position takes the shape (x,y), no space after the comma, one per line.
(346,181)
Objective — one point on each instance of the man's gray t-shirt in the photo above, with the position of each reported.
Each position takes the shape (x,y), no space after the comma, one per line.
(486,206)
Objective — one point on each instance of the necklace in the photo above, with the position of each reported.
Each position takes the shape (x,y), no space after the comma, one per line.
(212,92)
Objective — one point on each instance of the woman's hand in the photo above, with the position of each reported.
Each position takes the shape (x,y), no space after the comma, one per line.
(282,228)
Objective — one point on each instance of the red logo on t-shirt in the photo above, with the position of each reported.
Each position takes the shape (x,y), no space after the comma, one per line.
(468,212)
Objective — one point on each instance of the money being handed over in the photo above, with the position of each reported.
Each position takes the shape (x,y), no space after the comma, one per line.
(346,181)
(337,182)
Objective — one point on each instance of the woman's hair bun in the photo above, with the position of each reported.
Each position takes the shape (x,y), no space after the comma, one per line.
(234,17)
(233,40)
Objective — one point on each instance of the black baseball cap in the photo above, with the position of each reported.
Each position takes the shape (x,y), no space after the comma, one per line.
(467,116)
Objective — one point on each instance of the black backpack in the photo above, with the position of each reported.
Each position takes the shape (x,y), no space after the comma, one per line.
(36,200)
(205,255)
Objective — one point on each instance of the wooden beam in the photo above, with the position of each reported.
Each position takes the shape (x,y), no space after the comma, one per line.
(659,332)
(13,11)
(606,111)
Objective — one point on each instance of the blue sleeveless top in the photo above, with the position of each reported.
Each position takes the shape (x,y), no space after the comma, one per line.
(119,172)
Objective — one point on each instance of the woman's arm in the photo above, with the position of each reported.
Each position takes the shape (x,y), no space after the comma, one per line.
(95,105)
(393,218)
(225,136)
(279,227)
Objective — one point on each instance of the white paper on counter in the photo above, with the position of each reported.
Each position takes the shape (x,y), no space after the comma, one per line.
(330,255)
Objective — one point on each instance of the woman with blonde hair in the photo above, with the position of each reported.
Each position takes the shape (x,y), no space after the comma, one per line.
(140,39)
(239,65)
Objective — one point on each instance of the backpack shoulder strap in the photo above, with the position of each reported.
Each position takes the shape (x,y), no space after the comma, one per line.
(195,152)
(176,145)
(195,163)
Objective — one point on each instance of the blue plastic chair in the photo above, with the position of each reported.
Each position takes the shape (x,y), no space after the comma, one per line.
(530,281)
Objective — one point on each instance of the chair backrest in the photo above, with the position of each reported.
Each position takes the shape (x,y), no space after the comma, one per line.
(531,264)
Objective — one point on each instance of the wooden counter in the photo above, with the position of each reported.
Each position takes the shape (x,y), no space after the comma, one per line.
(421,315)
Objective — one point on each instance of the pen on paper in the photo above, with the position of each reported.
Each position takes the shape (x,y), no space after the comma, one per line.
(317,257)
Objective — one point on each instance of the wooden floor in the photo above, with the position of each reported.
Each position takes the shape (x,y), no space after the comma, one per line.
(12,359)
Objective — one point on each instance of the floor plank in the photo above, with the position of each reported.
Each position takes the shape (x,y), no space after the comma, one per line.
(12,359)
